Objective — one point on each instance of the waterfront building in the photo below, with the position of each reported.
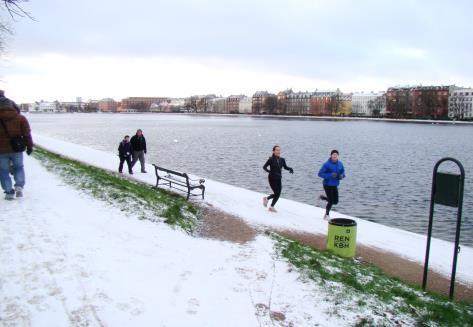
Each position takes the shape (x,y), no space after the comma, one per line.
(245,104)
(398,102)
(281,108)
(232,104)
(343,105)
(322,103)
(418,102)
(298,103)
(368,104)
(430,102)
(46,106)
(217,105)
(108,105)
(263,103)
(460,104)
(168,105)
(140,104)
(199,103)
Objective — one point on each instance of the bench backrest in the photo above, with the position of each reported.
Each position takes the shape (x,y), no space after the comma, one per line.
(172,172)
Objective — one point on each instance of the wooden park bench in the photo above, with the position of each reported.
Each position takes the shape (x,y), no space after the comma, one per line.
(179,181)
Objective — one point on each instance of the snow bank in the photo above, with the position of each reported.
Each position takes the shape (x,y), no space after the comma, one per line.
(292,215)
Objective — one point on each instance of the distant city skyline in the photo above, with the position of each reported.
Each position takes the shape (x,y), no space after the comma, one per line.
(175,49)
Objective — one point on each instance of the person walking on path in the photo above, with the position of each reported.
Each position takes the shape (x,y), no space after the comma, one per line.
(15,137)
(275,164)
(332,172)
(124,153)
(138,147)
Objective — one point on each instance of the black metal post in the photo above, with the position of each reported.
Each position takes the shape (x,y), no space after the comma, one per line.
(429,231)
(456,249)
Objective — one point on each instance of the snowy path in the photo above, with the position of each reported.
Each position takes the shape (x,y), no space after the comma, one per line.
(293,215)
(68,259)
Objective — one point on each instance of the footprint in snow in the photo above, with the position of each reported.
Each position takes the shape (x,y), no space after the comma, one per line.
(193,306)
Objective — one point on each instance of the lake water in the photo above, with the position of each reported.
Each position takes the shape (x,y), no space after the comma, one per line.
(388,165)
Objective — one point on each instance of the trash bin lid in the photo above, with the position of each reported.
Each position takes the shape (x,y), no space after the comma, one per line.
(345,222)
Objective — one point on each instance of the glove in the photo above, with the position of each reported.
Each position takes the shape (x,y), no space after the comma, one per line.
(291,171)
(334,175)
(145,151)
(29,151)
(340,177)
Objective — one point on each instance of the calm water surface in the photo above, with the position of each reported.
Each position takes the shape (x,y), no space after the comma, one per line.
(388,165)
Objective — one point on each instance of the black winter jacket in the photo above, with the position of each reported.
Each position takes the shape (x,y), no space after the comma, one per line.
(138,143)
(275,165)
(124,149)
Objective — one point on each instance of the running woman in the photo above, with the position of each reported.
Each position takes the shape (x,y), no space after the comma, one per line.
(275,164)
(332,172)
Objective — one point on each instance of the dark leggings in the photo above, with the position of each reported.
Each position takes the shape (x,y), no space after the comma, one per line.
(276,186)
(128,163)
(332,197)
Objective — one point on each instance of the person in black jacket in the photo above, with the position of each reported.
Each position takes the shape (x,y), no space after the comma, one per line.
(124,153)
(275,164)
(138,146)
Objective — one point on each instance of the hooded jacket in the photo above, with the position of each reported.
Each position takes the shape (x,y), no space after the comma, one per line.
(17,125)
(330,167)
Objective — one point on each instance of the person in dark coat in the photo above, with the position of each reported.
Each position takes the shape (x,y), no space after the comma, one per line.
(275,164)
(332,172)
(124,153)
(138,147)
(15,137)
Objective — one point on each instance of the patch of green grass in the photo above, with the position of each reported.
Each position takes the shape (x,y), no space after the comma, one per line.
(359,286)
(130,196)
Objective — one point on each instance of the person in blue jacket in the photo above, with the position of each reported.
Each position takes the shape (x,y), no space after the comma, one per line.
(332,172)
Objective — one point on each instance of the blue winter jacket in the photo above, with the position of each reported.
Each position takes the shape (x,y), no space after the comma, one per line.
(330,167)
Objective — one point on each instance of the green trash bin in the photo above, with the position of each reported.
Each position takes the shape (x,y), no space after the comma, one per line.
(341,238)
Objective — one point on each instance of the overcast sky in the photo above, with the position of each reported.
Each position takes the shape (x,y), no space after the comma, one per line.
(116,48)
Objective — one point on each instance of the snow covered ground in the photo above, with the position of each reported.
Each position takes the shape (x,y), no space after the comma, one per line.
(292,215)
(68,259)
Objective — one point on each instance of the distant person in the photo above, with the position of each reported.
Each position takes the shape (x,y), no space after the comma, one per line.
(332,172)
(124,153)
(138,147)
(15,137)
(275,164)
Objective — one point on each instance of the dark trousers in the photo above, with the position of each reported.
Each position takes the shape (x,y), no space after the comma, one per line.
(332,197)
(276,186)
(128,163)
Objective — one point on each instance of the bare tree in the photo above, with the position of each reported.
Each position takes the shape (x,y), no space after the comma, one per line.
(376,105)
(458,107)
(335,104)
(15,10)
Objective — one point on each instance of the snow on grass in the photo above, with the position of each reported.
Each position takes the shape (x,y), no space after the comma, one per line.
(293,215)
(380,300)
(148,202)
